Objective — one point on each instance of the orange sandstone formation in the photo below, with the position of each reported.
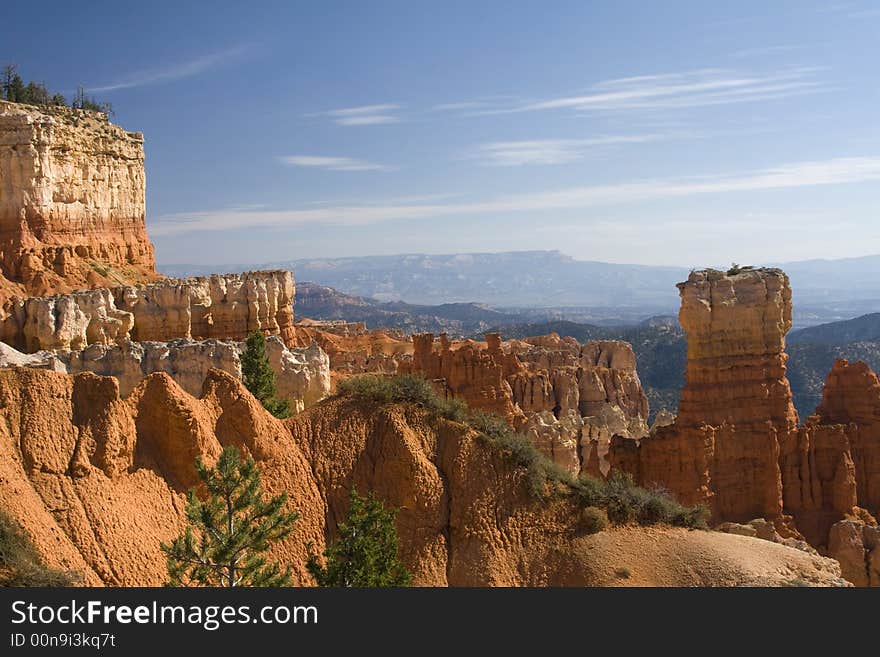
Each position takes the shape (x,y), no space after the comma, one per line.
(470,372)
(736,406)
(356,352)
(98,482)
(831,471)
(735,444)
(72,191)
(226,307)
(560,374)
(852,397)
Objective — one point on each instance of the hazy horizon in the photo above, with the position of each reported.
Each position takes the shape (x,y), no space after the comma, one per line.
(621,132)
(562,253)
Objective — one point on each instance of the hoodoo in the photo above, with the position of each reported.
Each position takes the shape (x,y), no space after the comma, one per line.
(736,405)
(736,445)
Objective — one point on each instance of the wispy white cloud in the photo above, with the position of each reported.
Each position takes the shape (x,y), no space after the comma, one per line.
(691,89)
(395,200)
(408,200)
(332,163)
(699,88)
(369,119)
(363,115)
(547,151)
(456,107)
(789,176)
(175,72)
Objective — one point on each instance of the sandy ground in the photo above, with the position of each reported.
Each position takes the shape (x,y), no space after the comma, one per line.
(663,556)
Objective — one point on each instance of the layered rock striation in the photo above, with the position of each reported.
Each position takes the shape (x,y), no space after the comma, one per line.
(72,202)
(560,374)
(831,467)
(736,406)
(473,373)
(302,375)
(353,353)
(226,307)
(570,399)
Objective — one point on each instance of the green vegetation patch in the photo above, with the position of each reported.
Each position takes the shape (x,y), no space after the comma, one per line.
(402,389)
(20,563)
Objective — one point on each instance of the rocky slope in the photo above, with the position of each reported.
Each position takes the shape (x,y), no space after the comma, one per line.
(72,191)
(97,482)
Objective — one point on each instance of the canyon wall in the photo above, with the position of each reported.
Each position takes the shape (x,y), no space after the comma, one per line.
(570,399)
(470,372)
(302,375)
(560,374)
(537,375)
(225,307)
(353,352)
(831,472)
(228,306)
(72,209)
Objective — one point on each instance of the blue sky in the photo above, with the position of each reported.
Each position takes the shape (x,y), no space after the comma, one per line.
(682,133)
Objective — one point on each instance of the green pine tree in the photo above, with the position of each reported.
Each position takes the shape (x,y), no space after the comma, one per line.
(233,526)
(365,554)
(15,90)
(9,72)
(259,378)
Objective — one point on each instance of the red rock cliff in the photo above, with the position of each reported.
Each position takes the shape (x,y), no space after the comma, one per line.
(736,406)
(72,211)
(852,397)
(470,372)
(832,465)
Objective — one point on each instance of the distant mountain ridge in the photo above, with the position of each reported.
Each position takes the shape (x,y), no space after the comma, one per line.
(516,278)
(824,290)
(320,302)
(860,329)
